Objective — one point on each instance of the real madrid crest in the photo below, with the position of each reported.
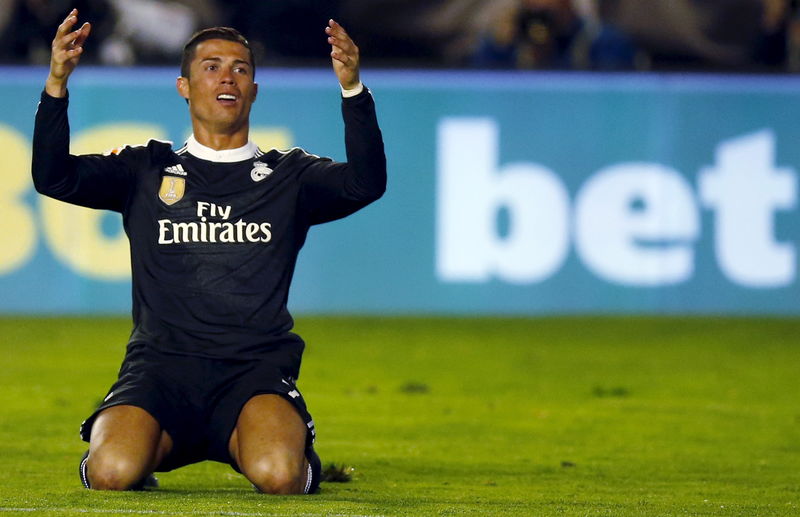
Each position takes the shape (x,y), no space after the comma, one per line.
(260,171)
(172,189)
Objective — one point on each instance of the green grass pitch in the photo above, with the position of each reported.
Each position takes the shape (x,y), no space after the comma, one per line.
(447,416)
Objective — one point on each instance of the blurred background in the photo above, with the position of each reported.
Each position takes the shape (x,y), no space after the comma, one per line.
(545,156)
(730,35)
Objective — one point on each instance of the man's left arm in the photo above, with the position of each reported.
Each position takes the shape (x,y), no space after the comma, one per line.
(338,189)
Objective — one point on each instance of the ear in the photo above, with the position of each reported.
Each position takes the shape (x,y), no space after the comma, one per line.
(255,91)
(182,85)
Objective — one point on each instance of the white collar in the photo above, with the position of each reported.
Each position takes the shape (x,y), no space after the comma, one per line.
(241,154)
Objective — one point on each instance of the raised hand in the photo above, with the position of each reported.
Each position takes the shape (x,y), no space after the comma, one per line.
(344,55)
(66,52)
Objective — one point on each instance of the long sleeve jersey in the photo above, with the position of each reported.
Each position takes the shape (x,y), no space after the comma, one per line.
(214,235)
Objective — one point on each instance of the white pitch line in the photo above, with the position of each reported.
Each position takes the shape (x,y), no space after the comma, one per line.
(50,509)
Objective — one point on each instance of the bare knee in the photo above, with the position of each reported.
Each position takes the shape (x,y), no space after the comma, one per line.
(126,445)
(268,444)
(272,477)
(113,472)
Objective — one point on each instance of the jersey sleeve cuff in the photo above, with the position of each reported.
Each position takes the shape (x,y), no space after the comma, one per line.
(46,97)
(352,92)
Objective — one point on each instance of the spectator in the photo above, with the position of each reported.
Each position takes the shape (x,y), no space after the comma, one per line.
(531,34)
(154,31)
(694,34)
(772,43)
(497,48)
(793,37)
(419,32)
(30,25)
(607,46)
(6,10)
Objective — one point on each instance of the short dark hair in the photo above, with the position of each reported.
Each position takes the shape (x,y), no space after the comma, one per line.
(226,33)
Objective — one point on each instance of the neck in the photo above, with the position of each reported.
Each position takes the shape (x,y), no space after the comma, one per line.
(221,140)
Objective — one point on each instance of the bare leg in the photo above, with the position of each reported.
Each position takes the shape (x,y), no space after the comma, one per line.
(268,445)
(126,445)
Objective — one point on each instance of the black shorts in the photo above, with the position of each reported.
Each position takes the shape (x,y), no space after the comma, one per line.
(197,400)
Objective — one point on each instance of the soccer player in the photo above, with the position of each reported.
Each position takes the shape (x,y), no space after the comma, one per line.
(214,229)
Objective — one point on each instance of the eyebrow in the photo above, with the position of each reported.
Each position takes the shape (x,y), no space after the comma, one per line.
(219,60)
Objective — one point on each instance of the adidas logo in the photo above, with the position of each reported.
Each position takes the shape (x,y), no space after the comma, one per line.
(175,169)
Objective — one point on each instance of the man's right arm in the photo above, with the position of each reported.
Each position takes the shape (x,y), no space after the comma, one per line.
(93,181)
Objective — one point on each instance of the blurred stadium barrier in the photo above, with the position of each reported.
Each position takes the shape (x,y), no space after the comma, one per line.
(508,193)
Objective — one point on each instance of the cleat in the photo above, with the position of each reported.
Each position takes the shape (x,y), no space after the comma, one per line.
(82,470)
(314,471)
(150,481)
(333,473)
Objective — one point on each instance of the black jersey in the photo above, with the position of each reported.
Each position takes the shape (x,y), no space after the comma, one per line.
(214,235)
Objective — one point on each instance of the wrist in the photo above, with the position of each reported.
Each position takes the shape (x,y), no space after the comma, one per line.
(55,87)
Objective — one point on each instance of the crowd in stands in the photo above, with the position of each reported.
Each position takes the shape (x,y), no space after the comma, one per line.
(643,34)
(730,35)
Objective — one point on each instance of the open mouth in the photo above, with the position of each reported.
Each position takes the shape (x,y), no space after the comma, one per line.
(226,98)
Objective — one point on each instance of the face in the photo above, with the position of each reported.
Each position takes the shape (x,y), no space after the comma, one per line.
(220,86)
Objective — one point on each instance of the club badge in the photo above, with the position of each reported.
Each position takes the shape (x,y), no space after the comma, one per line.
(172,189)
(260,171)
